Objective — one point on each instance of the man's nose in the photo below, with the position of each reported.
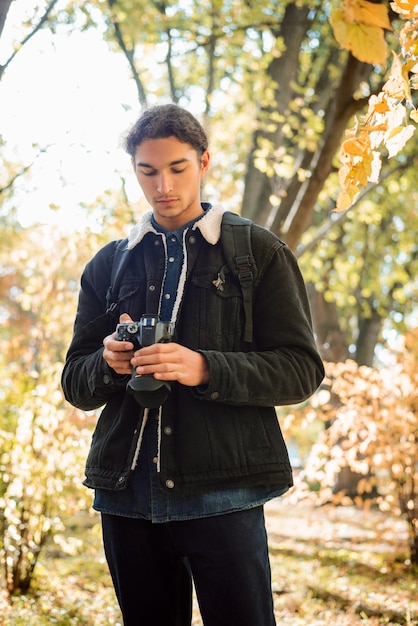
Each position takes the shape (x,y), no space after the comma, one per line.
(164,184)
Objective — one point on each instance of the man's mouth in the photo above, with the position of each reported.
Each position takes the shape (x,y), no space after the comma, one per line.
(166,200)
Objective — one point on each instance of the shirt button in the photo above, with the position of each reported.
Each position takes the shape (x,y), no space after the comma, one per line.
(155,460)
(167,296)
(152,287)
(171,259)
(214,395)
(156,242)
(169,484)
(192,239)
(106,379)
(168,430)
(173,239)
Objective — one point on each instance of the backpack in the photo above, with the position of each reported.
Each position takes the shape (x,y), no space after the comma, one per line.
(236,246)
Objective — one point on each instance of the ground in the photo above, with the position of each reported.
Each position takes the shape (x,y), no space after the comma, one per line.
(330,567)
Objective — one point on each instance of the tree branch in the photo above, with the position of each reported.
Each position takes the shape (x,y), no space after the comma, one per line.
(128,52)
(29,36)
(330,223)
(4,9)
(21,172)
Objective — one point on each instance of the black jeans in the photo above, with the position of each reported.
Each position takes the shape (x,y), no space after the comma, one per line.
(227,555)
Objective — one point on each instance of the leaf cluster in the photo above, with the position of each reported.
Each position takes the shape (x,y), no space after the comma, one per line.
(371,420)
(386,123)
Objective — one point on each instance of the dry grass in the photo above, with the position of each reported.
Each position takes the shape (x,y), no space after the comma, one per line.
(339,567)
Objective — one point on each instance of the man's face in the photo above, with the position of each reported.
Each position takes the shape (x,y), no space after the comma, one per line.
(170,173)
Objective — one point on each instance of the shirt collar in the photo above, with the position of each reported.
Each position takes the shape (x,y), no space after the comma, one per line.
(209,225)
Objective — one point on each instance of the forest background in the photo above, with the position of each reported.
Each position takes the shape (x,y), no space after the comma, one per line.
(311,111)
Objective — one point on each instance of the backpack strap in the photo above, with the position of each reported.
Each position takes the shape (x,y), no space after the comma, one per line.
(236,245)
(120,261)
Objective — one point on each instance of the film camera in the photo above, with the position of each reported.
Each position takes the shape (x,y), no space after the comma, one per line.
(147,391)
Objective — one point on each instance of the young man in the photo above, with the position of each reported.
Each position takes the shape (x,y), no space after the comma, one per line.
(181,486)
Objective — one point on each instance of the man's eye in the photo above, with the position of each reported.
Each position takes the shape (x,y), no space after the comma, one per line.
(148,173)
(177,171)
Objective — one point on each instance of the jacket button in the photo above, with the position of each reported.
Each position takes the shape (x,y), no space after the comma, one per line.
(169,484)
(214,395)
(168,430)
(155,460)
(192,239)
(151,287)
(106,379)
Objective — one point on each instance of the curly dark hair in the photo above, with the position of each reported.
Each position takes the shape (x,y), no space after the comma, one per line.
(167,120)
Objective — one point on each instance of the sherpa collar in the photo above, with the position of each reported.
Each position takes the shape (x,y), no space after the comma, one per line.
(209,225)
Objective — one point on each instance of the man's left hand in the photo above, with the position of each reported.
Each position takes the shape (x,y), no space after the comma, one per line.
(171,361)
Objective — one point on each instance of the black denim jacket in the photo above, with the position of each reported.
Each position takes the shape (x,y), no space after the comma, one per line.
(226,434)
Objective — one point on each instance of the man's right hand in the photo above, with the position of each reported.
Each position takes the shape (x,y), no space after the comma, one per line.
(118,354)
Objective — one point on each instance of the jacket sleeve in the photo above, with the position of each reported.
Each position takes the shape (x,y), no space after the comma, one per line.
(87,380)
(283,365)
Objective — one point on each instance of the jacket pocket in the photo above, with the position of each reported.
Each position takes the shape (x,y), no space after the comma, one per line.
(131,298)
(114,438)
(216,313)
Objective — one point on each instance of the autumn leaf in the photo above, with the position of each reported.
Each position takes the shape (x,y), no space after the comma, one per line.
(407,8)
(346,197)
(367,13)
(377,104)
(398,138)
(397,86)
(386,118)
(366,42)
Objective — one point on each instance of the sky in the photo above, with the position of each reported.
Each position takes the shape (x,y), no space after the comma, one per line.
(69,94)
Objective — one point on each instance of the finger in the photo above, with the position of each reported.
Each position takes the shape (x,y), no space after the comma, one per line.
(125,317)
(112,345)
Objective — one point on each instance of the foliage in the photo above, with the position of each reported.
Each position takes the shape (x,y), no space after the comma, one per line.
(386,121)
(43,441)
(367,267)
(372,429)
(277,90)
(276,93)
(40,462)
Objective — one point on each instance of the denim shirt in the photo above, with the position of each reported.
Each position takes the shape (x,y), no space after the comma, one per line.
(143,498)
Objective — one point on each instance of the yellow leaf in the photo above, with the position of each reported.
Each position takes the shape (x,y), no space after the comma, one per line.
(339,26)
(367,13)
(398,138)
(353,147)
(414,115)
(346,198)
(367,43)
(397,85)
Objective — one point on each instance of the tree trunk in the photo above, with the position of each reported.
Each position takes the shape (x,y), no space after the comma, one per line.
(369,331)
(329,336)
(281,72)
(341,110)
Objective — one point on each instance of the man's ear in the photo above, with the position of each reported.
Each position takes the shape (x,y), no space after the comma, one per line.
(204,163)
